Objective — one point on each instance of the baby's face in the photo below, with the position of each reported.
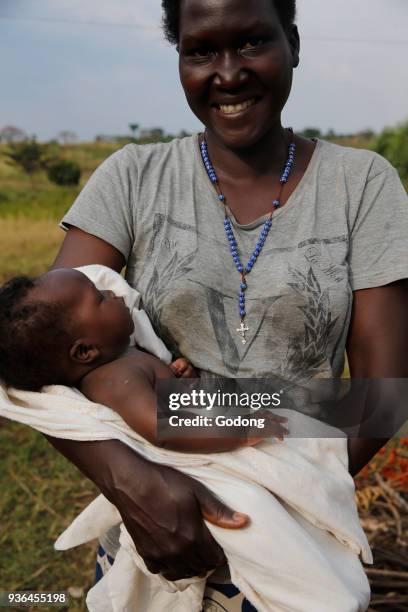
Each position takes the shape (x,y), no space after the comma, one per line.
(99,316)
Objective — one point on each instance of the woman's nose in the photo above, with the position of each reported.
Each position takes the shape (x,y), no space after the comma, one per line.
(230,72)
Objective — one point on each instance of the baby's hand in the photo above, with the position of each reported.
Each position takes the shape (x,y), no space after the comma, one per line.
(182,368)
(273,429)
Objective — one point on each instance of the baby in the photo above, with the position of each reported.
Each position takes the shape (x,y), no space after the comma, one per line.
(60,329)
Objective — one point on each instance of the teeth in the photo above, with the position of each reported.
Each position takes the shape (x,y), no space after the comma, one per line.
(229,109)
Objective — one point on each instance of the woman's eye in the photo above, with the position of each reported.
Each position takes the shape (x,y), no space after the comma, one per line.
(252,43)
(202,53)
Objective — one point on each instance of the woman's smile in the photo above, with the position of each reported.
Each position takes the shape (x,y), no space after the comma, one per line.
(234,110)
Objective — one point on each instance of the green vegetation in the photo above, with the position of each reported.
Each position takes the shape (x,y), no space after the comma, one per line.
(392,143)
(64,173)
(39,199)
(29,156)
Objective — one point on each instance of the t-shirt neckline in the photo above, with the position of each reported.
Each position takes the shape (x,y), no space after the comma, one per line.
(293,198)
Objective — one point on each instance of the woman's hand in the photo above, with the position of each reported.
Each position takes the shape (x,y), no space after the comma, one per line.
(163,510)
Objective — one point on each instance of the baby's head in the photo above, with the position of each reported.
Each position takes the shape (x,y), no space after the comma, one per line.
(56,328)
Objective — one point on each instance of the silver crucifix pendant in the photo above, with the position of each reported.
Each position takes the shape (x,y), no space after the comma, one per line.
(242,330)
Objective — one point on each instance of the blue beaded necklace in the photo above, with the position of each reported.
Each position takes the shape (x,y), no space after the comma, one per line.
(245,270)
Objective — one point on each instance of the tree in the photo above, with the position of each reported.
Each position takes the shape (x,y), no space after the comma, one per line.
(392,143)
(367,134)
(153,135)
(183,134)
(311,132)
(10,133)
(133,128)
(330,134)
(29,156)
(64,172)
(66,136)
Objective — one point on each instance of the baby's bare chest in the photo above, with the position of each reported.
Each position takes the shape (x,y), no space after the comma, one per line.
(131,373)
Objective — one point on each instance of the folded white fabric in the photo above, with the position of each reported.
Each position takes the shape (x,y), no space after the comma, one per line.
(300,551)
(275,562)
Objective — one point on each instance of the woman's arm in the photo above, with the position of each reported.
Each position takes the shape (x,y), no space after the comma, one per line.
(82,249)
(162,509)
(377,347)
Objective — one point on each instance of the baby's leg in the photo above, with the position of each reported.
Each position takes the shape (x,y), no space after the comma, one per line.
(281,562)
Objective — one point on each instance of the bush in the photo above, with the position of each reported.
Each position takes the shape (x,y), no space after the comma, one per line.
(29,155)
(64,173)
(392,143)
(3,197)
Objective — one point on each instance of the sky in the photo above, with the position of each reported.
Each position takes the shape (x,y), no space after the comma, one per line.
(57,74)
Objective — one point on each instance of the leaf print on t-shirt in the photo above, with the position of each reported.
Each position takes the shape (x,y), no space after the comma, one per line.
(157,290)
(307,352)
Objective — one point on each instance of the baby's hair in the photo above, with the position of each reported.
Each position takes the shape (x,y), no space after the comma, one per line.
(33,335)
(171,17)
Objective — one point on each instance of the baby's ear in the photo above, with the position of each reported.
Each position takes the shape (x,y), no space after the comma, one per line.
(83,352)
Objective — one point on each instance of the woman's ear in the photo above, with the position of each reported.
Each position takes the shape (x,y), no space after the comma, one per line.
(83,352)
(294,42)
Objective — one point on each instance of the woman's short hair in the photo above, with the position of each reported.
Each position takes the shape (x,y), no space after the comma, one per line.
(171,16)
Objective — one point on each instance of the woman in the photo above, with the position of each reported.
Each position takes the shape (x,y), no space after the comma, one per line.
(333,250)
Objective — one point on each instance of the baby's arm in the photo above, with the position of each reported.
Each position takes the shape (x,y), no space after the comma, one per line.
(127,386)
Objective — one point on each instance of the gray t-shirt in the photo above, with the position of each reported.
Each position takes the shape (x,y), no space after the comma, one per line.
(344,228)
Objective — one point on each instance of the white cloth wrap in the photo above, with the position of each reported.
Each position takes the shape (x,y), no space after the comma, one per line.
(298,495)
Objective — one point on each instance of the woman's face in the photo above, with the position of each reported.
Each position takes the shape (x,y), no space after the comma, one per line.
(236,64)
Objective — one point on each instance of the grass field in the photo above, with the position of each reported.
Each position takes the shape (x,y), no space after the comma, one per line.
(41,491)
(41,494)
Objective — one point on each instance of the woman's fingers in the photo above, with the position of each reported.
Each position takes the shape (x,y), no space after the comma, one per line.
(216,512)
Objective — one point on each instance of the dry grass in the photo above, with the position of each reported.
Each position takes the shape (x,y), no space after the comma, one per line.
(382,497)
(27,245)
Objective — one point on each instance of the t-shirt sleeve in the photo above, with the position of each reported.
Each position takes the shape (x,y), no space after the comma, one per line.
(104,208)
(378,252)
